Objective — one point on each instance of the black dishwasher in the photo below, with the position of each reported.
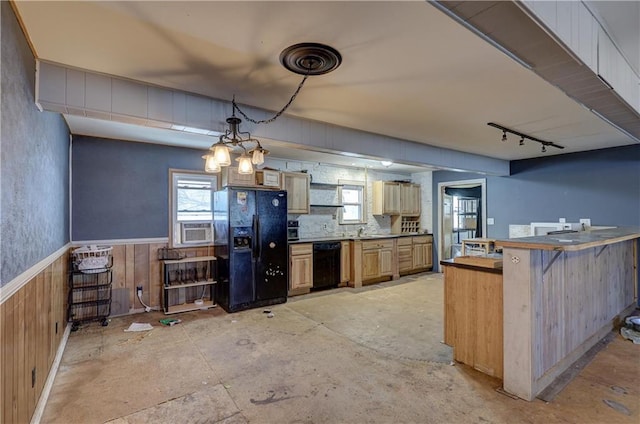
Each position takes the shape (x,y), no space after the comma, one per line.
(326,264)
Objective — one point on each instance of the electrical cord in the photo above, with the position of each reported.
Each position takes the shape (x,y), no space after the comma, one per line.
(147,308)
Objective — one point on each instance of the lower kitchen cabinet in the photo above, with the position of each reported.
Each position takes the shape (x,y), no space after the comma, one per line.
(377,259)
(405,255)
(345,262)
(415,254)
(300,268)
(422,252)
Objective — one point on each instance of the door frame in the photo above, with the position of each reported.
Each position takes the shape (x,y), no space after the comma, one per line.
(460,183)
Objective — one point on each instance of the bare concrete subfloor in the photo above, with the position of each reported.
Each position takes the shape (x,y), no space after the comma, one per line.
(371,355)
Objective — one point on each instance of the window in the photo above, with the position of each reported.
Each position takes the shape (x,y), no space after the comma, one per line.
(191,201)
(352,196)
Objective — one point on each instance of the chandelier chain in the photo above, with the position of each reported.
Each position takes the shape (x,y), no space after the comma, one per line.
(277,115)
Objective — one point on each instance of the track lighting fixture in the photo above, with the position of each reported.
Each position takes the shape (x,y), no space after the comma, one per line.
(304,59)
(522,136)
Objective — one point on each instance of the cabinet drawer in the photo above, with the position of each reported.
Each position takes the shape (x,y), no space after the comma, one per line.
(377,244)
(301,249)
(422,239)
(404,241)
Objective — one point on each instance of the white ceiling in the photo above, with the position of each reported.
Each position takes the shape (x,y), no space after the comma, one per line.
(408,70)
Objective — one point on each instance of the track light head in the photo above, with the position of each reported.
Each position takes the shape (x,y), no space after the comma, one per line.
(522,141)
(544,148)
(504,136)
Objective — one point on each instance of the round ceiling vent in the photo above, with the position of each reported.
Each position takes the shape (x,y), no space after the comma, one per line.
(310,58)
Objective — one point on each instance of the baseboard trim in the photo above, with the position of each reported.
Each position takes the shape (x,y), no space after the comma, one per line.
(46,390)
(17,283)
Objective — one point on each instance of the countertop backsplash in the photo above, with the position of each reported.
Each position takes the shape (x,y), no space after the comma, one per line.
(324,222)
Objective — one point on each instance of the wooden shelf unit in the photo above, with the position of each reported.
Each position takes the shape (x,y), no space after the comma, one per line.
(186,281)
(477,246)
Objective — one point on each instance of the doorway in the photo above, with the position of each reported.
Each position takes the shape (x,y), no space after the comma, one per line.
(462,211)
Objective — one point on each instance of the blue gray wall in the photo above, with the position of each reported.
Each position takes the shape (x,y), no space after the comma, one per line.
(603,185)
(34,162)
(121,189)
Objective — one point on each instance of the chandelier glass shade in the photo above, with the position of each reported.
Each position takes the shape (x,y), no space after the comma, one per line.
(244,164)
(210,163)
(221,154)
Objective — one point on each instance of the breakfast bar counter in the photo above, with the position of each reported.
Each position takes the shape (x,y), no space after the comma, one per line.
(562,293)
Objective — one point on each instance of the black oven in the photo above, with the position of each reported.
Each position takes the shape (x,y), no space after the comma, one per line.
(292,230)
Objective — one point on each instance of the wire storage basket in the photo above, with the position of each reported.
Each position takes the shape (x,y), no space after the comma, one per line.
(92,259)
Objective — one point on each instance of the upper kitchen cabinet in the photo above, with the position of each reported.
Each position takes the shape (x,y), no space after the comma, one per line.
(232,178)
(386,198)
(297,186)
(410,199)
(392,198)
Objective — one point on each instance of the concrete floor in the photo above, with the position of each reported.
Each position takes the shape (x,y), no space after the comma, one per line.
(342,356)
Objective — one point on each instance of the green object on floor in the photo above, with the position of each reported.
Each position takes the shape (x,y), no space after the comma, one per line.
(170,321)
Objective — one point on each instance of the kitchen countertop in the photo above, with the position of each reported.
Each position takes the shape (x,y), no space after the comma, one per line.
(452,262)
(573,241)
(355,238)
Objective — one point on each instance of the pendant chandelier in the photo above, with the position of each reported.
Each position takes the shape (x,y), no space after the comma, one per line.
(304,59)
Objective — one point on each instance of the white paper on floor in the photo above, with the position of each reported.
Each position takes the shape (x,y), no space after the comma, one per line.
(138,326)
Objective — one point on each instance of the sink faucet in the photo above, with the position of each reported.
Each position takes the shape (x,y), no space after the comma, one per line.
(360,231)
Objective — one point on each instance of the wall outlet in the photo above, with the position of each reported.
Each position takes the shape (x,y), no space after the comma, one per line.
(562,220)
(490,221)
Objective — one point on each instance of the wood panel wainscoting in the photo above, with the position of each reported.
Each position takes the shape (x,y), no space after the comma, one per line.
(32,326)
(138,265)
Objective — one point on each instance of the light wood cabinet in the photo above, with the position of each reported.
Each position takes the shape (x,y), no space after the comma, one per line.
(268,178)
(231,177)
(345,262)
(422,252)
(300,268)
(415,254)
(410,199)
(370,264)
(399,200)
(386,198)
(297,186)
(405,255)
(377,259)
(386,261)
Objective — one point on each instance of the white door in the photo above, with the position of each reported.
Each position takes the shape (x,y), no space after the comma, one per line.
(446,236)
(445,215)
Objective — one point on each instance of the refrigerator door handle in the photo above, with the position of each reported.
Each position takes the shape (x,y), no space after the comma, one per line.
(256,237)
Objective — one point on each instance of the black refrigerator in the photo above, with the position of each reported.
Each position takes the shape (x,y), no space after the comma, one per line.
(250,232)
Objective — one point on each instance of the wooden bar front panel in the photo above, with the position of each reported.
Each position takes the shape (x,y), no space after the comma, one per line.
(473,318)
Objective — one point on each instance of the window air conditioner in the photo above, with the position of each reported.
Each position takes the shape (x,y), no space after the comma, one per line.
(196,232)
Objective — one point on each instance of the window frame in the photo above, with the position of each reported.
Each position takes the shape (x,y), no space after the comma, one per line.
(360,185)
(174,225)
